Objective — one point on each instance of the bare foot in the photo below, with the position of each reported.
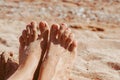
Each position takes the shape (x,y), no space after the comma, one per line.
(28,35)
(30,53)
(61,54)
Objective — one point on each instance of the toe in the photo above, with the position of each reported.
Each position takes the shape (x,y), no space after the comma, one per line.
(33,25)
(34,35)
(28,33)
(21,40)
(63,27)
(43,26)
(72,46)
(24,36)
(64,36)
(44,30)
(28,29)
(54,32)
(33,28)
(69,40)
(31,32)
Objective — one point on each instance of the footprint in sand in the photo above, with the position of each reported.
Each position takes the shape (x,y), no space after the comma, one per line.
(61,54)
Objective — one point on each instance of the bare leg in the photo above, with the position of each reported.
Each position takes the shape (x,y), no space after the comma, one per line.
(61,54)
(30,53)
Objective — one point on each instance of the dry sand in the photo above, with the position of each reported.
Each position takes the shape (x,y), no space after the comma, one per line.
(96,24)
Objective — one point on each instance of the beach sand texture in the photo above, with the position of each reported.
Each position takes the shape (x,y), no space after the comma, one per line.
(95,23)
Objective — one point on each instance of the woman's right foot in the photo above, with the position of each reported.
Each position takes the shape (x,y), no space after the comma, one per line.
(61,54)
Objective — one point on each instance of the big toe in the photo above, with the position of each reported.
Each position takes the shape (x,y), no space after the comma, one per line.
(44,30)
(43,26)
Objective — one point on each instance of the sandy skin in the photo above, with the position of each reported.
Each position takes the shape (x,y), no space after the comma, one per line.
(61,54)
(29,52)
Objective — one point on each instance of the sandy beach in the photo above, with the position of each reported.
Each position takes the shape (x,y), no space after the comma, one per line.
(96,25)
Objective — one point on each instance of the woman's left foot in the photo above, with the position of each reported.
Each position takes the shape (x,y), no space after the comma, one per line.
(31,48)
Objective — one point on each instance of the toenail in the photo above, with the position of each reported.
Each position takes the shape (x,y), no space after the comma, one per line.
(42,23)
(54,27)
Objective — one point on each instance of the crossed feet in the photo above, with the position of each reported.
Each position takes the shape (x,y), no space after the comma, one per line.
(54,48)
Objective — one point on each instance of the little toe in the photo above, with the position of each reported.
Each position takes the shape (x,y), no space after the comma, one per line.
(69,40)
(63,27)
(72,46)
(54,32)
